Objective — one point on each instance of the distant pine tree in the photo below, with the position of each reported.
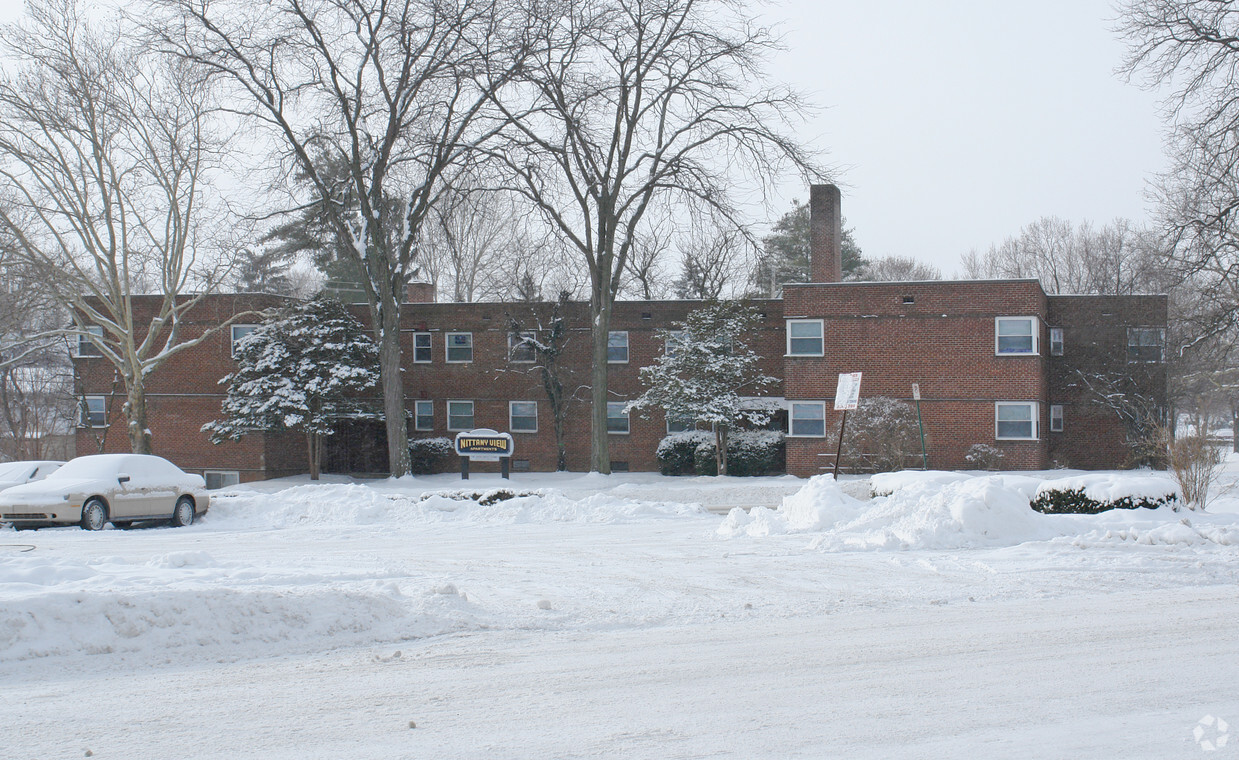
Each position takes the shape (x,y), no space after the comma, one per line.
(264,270)
(785,254)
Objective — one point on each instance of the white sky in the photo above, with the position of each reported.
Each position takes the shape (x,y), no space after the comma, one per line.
(954,123)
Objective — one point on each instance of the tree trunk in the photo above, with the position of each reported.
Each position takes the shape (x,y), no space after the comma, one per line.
(135,415)
(315,452)
(1234,430)
(599,453)
(720,444)
(393,387)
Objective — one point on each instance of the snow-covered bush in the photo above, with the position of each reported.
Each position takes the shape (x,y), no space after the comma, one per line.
(1196,464)
(1090,494)
(676,452)
(982,456)
(426,455)
(881,436)
(749,452)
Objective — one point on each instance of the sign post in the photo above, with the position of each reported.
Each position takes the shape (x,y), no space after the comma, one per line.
(916,394)
(484,445)
(847,396)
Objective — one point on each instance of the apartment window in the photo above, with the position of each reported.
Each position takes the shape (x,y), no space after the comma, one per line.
(675,425)
(1015,420)
(520,349)
(674,339)
(1144,344)
(459,347)
(95,411)
(1015,335)
(523,416)
(804,337)
(423,415)
(422,353)
(216,479)
(1056,418)
(239,332)
(617,417)
(808,419)
(84,346)
(617,347)
(1056,341)
(460,415)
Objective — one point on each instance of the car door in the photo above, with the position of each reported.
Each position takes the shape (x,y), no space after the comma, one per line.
(131,499)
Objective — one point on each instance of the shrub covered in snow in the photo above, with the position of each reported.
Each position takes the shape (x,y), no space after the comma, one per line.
(426,455)
(1090,494)
(982,456)
(749,453)
(676,452)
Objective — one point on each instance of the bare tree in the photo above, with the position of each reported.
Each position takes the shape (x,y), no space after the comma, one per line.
(105,151)
(898,268)
(712,263)
(1118,259)
(374,103)
(633,106)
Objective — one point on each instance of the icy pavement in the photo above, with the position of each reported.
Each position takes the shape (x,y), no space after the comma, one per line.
(617,617)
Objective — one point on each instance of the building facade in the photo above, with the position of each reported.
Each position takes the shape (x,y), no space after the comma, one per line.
(997,362)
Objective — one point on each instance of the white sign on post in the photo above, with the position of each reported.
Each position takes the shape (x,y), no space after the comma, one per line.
(916,391)
(847,395)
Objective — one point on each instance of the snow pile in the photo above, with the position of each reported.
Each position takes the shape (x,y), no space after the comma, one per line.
(102,609)
(347,504)
(887,483)
(1162,527)
(920,513)
(1113,486)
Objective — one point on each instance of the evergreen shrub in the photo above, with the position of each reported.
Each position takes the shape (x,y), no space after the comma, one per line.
(1074,501)
(426,455)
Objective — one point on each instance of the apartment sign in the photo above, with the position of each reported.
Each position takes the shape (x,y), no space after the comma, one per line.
(847,394)
(484,445)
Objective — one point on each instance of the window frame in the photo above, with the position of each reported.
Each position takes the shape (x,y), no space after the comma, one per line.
(1056,341)
(429,347)
(1033,420)
(512,416)
(1056,418)
(447,341)
(1161,344)
(234,474)
(688,426)
(513,347)
(86,349)
(232,334)
(1032,321)
(626,417)
(472,415)
(673,337)
(87,417)
(791,418)
(821,337)
(627,351)
(417,414)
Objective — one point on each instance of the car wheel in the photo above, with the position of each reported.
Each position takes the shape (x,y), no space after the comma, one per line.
(94,515)
(183,515)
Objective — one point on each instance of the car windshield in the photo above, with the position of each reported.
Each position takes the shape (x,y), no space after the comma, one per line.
(15,470)
(102,466)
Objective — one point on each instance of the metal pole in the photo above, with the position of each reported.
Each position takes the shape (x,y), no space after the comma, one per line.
(924,456)
(839,450)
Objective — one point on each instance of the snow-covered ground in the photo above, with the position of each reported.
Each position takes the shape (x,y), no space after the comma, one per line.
(628,616)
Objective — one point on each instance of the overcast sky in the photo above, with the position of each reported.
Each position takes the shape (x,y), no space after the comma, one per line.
(953,123)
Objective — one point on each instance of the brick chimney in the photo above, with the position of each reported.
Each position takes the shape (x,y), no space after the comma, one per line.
(825,234)
(420,292)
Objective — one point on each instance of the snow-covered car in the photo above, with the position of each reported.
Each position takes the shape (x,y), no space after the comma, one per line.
(92,491)
(20,473)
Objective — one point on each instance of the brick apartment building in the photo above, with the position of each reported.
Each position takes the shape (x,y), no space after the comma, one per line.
(998,362)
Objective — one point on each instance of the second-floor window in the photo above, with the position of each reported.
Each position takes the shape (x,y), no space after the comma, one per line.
(422,348)
(1015,336)
(617,347)
(1145,344)
(239,332)
(84,345)
(804,337)
(520,350)
(459,347)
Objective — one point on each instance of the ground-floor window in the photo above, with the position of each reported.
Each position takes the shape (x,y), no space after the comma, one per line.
(460,415)
(617,417)
(808,419)
(523,416)
(221,478)
(423,415)
(95,411)
(1056,418)
(1015,420)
